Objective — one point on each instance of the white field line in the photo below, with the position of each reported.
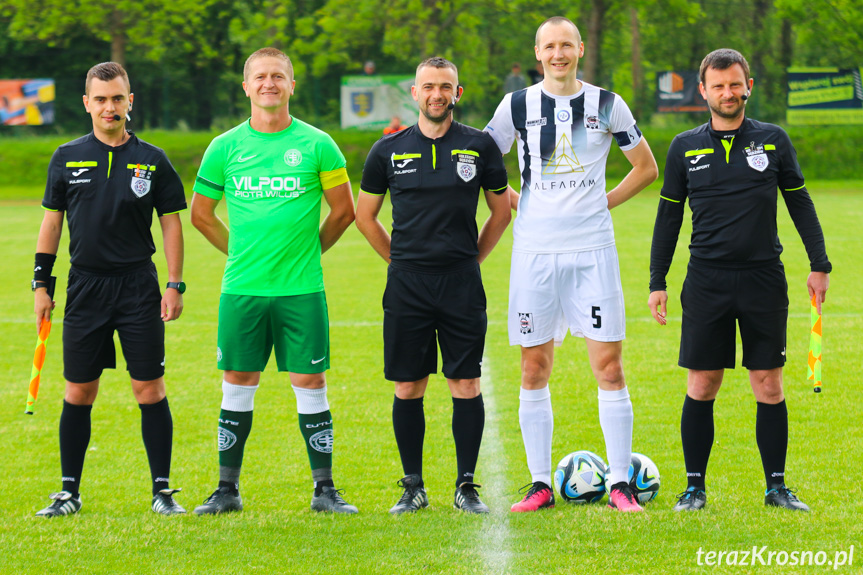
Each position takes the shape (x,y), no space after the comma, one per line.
(495,542)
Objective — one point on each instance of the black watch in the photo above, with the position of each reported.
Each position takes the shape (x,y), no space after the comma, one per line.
(179,286)
(34,285)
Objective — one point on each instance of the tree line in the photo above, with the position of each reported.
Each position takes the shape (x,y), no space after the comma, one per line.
(185,57)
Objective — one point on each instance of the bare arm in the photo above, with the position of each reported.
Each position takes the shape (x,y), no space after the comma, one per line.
(341,202)
(513,198)
(643,173)
(494,226)
(47,243)
(206,221)
(172,240)
(368,208)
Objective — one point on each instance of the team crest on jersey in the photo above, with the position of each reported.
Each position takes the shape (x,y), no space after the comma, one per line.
(525,322)
(140,186)
(756,157)
(591,122)
(563,115)
(293,158)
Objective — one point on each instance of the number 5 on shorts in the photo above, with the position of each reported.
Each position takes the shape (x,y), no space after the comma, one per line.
(594,313)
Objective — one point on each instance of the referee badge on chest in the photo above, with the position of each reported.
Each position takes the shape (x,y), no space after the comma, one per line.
(141,178)
(465,164)
(756,157)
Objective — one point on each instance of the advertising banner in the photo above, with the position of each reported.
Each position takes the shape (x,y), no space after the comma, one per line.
(824,96)
(27,102)
(677,91)
(368,102)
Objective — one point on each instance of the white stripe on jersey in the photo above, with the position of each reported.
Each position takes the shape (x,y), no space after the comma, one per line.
(565,141)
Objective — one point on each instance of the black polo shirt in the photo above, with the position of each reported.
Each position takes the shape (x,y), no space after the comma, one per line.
(109,194)
(731,181)
(435,186)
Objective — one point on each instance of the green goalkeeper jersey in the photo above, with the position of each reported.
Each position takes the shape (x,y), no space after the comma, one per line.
(273,185)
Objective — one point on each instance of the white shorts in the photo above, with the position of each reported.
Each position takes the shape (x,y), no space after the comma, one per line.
(579,291)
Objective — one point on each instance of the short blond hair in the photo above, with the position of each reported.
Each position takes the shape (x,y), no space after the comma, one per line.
(268,52)
(557,20)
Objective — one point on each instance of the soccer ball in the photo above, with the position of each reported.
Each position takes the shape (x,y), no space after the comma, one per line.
(643,478)
(580,477)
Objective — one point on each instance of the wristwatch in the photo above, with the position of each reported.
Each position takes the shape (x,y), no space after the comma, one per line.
(34,285)
(179,286)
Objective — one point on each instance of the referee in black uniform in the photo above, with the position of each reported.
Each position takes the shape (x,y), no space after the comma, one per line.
(434,171)
(729,170)
(108,183)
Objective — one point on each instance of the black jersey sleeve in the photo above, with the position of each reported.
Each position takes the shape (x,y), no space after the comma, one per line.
(669,216)
(800,206)
(375,180)
(170,196)
(494,177)
(55,188)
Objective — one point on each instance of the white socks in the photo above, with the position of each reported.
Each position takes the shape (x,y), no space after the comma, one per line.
(238,398)
(615,418)
(311,401)
(537,425)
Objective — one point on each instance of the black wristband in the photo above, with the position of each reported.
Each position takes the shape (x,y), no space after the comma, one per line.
(44,266)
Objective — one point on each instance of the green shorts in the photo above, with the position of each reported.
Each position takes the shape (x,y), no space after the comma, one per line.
(297,326)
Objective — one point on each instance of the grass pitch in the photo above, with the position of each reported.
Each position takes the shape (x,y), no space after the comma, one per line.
(117,533)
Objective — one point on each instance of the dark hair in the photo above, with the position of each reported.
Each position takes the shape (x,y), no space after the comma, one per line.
(267,53)
(437,62)
(557,20)
(723,59)
(106,71)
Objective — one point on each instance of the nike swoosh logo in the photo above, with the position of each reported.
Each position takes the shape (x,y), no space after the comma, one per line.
(241,159)
(695,161)
(81,171)
(314,361)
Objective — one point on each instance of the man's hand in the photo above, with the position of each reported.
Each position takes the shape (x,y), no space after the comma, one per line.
(172,304)
(656,302)
(43,306)
(817,283)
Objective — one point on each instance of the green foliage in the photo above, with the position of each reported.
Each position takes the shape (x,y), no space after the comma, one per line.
(185,57)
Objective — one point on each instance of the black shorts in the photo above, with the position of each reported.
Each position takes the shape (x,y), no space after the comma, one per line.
(96,306)
(421,309)
(714,300)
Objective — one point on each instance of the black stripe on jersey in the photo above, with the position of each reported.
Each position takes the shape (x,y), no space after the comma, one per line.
(519,121)
(548,132)
(606,103)
(578,131)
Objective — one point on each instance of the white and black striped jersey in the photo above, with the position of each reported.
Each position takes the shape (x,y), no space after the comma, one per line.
(563,145)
